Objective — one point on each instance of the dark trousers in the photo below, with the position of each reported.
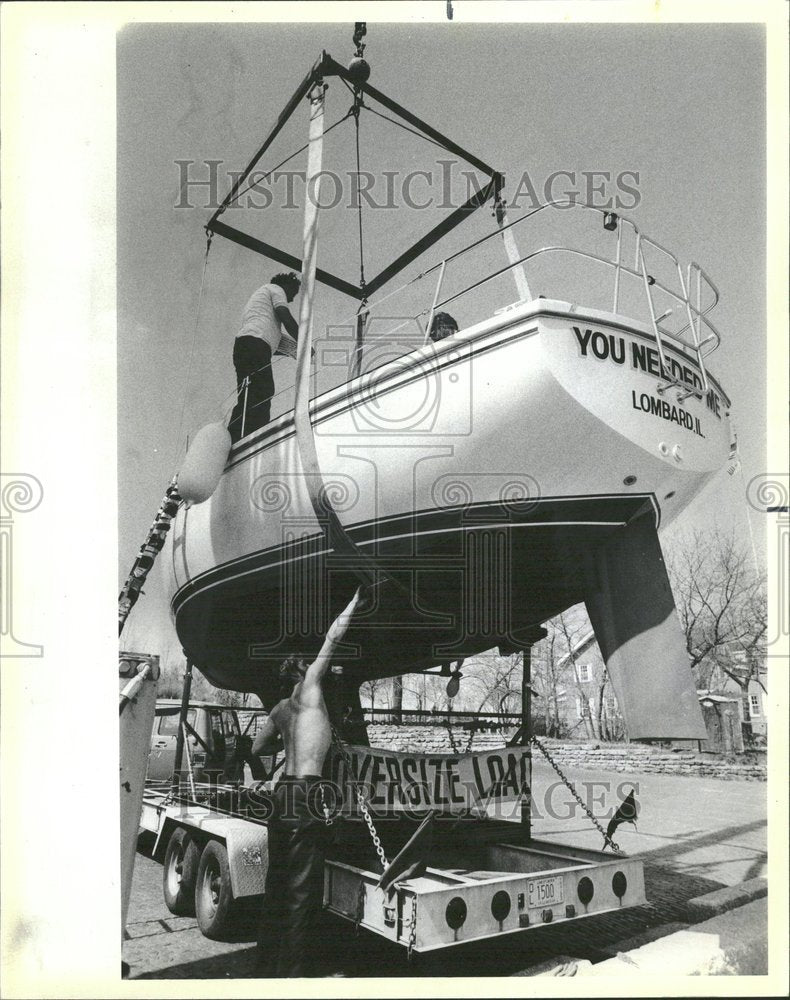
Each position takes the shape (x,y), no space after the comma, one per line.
(289,939)
(252,359)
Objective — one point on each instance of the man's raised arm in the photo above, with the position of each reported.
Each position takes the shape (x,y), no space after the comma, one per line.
(320,665)
(283,314)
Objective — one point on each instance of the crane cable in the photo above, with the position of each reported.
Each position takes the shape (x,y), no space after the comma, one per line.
(355,111)
(360,30)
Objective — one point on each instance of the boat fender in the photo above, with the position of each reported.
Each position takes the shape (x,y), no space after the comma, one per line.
(204,463)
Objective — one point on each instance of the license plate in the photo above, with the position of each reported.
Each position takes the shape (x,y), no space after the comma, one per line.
(545,891)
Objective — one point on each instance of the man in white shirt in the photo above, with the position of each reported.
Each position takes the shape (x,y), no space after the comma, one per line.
(267,328)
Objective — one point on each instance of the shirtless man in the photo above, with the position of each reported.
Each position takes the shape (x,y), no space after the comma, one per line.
(298,835)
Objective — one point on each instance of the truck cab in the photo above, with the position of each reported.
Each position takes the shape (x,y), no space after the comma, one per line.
(212,740)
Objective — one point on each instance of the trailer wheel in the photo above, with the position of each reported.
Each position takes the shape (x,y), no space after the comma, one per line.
(179,875)
(213,894)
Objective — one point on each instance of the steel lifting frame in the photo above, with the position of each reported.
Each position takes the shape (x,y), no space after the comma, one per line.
(327,66)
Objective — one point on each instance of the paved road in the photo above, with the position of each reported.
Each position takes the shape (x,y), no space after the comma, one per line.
(700,827)
(694,834)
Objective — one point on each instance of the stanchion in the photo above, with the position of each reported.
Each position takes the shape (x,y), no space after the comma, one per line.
(182,718)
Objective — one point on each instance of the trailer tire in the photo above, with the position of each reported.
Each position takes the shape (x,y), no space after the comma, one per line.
(214,903)
(179,874)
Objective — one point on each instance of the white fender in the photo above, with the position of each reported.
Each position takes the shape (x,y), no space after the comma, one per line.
(204,463)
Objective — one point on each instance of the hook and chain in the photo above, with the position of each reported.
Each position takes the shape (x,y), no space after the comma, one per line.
(607,839)
(469,742)
(412,929)
(361,800)
(360,30)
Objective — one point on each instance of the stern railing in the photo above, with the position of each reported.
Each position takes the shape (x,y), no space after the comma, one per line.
(692,298)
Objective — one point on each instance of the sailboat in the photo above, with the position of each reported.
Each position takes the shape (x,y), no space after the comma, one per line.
(478,485)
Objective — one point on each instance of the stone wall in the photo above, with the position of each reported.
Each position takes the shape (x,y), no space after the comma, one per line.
(626,757)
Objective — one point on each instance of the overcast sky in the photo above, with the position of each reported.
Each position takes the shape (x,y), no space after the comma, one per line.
(682,106)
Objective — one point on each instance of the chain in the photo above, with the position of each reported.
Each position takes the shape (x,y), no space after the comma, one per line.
(360,30)
(149,550)
(469,742)
(607,839)
(328,820)
(363,806)
(412,929)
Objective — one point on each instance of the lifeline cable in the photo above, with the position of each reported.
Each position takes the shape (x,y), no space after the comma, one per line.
(394,121)
(282,163)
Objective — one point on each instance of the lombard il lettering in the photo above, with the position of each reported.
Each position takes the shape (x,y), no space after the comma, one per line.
(612,348)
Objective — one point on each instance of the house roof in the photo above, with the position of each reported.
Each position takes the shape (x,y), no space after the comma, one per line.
(713,696)
(581,646)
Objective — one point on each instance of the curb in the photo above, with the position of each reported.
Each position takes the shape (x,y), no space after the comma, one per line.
(646,937)
(722,900)
(561,965)
(732,943)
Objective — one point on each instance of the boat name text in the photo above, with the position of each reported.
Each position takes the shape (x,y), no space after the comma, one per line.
(642,357)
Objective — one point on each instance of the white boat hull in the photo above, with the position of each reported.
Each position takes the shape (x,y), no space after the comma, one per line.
(481,473)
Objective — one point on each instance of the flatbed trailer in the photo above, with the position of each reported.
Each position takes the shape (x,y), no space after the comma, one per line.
(485,878)
(213,859)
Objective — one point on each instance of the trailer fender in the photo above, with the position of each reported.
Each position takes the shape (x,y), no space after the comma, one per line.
(163,836)
(248,859)
(245,842)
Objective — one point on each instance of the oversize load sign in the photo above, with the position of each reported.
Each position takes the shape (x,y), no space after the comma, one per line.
(451,783)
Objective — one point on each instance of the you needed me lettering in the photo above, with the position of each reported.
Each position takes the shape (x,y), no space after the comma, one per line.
(613,348)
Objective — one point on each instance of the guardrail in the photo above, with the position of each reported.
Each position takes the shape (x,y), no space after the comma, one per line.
(435,717)
(692,298)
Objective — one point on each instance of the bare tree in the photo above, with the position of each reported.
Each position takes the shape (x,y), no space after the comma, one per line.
(570,636)
(721,602)
(233,699)
(557,672)
(397,698)
(373,687)
(493,681)
(546,682)
(609,723)
(429,691)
